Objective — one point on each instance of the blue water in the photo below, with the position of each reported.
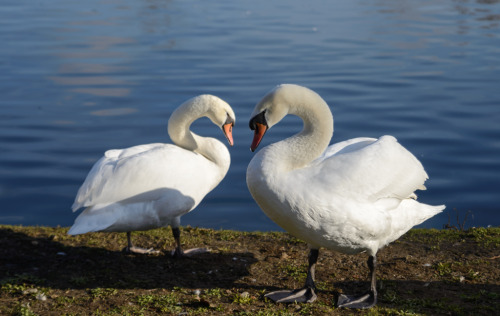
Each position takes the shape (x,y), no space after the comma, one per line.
(80,77)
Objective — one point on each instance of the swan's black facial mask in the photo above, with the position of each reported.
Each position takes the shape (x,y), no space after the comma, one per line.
(258,124)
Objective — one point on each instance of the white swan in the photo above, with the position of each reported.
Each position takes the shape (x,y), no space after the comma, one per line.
(150,186)
(351,197)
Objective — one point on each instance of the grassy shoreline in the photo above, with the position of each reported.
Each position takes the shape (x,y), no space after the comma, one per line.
(43,271)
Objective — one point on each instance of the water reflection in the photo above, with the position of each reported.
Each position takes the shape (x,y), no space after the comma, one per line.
(95,56)
(100,79)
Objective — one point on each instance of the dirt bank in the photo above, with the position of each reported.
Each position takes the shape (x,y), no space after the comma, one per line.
(45,272)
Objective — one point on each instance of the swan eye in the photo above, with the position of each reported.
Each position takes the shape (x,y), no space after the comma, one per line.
(229,120)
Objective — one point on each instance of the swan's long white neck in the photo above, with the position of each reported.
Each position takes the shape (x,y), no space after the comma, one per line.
(302,148)
(179,131)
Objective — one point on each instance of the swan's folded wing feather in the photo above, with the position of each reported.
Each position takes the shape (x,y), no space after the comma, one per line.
(138,170)
(102,172)
(345,146)
(372,170)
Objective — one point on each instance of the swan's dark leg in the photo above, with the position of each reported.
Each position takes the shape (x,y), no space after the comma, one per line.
(177,237)
(366,300)
(178,252)
(129,242)
(305,294)
(132,249)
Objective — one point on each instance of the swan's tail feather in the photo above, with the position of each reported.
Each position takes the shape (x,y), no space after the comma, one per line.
(117,217)
(409,214)
(89,221)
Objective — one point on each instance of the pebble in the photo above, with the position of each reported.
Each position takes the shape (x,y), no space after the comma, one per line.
(30,291)
(41,297)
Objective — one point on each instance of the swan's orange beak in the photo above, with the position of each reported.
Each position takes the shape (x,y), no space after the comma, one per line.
(228,131)
(260,130)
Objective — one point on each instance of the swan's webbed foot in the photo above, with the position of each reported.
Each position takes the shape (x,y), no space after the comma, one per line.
(303,295)
(139,250)
(306,294)
(366,300)
(179,253)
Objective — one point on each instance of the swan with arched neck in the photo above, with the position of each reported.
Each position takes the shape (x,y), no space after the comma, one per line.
(353,196)
(153,185)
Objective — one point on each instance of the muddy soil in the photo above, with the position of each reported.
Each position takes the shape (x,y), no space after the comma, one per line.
(43,271)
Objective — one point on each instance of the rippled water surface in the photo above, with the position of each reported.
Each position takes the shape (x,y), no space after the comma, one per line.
(80,77)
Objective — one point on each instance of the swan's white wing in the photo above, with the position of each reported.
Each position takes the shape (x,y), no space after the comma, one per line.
(139,172)
(343,147)
(102,172)
(367,169)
